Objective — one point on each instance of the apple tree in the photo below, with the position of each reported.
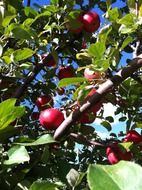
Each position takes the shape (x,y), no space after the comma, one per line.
(60,65)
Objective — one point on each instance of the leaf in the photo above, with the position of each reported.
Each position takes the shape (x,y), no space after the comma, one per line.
(138,125)
(17,154)
(20,32)
(128,40)
(104,32)
(74,178)
(44,139)
(97,50)
(9,112)
(110,119)
(125,146)
(107,125)
(121,176)
(42,185)
(71,81)
(101,65)
(128,19)
(7,20)
(113,14)
(22,54)
(128,29)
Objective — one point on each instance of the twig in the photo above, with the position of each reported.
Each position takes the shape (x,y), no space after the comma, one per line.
(126,72)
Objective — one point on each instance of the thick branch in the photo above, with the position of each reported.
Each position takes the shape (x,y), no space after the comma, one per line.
(126,72)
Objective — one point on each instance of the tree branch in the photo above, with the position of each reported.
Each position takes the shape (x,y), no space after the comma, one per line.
(126,72)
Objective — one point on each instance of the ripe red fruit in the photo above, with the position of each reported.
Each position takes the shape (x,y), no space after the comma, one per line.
(35,115)
(133,136)
(90,75)
(42,101)
(65,72)
(98,105)
(91,21)
(51,118)
(87,118)
(115,154)
(48,62)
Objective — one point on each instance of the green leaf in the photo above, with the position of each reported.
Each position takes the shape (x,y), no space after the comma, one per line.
(125,146)
(42,185)
(110,119)
(74,178)
(97,50)
(113,14)
(128,29)
(107,125)
(54,2)
(22,54)
(101,65)
(121,176)
(138,124)
(17,154)
(71,81)
(127,41)
(7,20)
(44,139)
(8,113)
(103,35)
(19,32)
(30,11)
(128,19)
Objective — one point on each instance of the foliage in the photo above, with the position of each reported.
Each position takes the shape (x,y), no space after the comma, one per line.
(30,157)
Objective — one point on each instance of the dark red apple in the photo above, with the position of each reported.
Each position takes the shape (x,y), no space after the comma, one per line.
(65,72)
(115,154)
(133,136)
(35,115)
(51,118)
(49,62)
(43,100)
(91,21)
(91,75)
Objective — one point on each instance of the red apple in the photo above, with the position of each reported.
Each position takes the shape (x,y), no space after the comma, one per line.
(90,75)
(43,100)
(87,118)
(35,115)
(133,136)
(51,118)
(50,62)
(91,21)
(98,105)
(65,72)
(115,154)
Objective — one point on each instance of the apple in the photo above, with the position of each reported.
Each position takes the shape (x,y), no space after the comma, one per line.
(87,118)
(43,100)
(90,75)
(115,154)
(133,136)
(51,118)
(65,72)
(91,21)
(35,115)
(49,62)
(98,105)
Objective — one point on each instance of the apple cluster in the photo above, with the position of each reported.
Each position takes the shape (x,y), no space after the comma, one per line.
(115,153)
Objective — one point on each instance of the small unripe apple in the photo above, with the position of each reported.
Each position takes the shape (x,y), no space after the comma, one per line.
(43,100)
(133,136)
(49,62)
(35,115)
(65,72)
(91,75)
(91,21)
(115,154)
(51,118)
